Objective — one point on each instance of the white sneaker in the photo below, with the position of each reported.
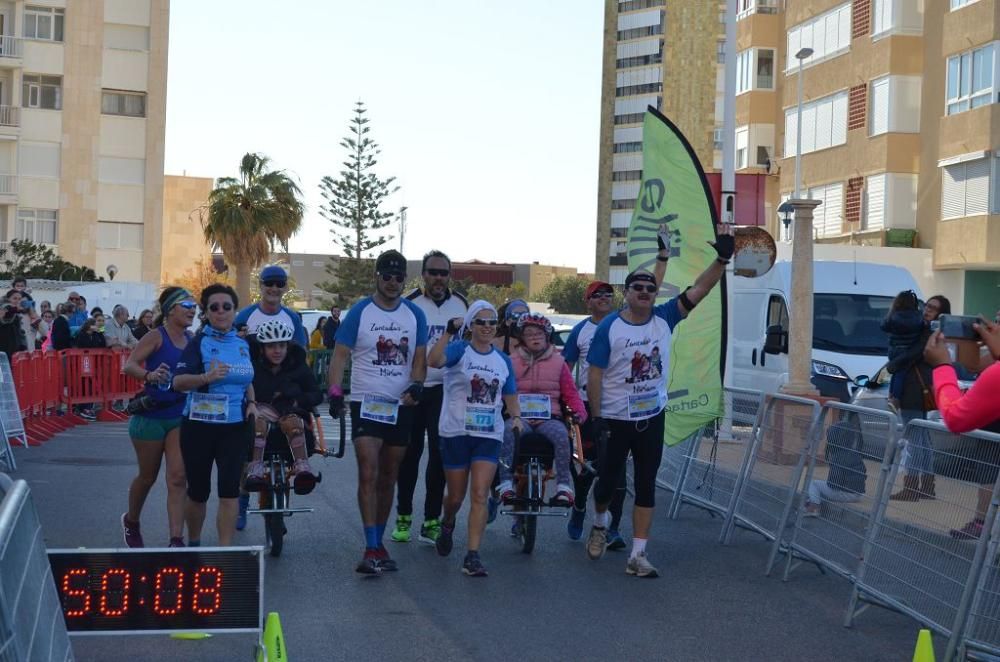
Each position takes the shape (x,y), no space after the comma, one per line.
(639,566)
(597,542)
(506,491)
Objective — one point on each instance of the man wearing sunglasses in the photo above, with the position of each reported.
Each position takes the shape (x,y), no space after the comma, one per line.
(386,381)
(439,305)
(273,286)
(629,360)
(599,299)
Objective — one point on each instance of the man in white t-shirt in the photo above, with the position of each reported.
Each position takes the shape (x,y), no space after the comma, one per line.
(273,286)
(439,304)
(627,389)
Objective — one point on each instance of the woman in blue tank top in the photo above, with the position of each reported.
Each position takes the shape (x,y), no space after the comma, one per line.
(156,415)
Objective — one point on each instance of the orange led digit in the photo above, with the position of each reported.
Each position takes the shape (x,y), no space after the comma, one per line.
(160,586)
(70,592)
(123,579)
(200,591)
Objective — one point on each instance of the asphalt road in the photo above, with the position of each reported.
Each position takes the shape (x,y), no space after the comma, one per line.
(711,602)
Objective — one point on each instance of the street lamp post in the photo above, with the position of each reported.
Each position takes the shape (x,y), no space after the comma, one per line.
(801,55)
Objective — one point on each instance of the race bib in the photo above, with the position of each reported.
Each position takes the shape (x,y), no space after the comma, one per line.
(643,405)
(380,408)
(209,407)
(480,419)
(535,405)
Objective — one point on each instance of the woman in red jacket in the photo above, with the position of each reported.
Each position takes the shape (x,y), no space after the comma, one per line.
(977,408)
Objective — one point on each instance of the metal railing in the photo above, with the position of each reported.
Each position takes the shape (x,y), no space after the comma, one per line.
(11,46)
(10,116)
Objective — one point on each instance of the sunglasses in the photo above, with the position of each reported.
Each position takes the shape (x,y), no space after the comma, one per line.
(601,295)
(274,283)
(399,278)
(187,305)
(485,322)
(443,273)
(216,307)
(638,287)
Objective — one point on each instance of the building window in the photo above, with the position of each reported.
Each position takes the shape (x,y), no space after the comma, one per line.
(37,225)
(623,204)
(627,147)
(763,155)
(883,16)
(874,195)
(824,124)
(645,88)
(131,104)
(629,5)
(958,4)
(627,176)
(765,69)
(971,79)
(44,23)
(742,147)
(828,217)
(828,35)
(639,61)
(717,138)
(636,33)
(745,8)
(965,189)
(39,91)
(119,236)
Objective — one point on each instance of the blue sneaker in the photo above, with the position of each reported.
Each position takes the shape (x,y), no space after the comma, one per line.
(241,518)
(575,525)
(492,506)
(615,540)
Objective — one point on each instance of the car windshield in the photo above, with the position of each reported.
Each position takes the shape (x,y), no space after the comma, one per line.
(850,323)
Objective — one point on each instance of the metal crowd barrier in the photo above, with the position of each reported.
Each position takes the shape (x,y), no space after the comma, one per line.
(853,448)
(31,618)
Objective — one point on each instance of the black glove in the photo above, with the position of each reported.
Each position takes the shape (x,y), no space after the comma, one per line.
(336,406)
(660,244)
(452,328)
(415,389)
(724,246)
(602,433)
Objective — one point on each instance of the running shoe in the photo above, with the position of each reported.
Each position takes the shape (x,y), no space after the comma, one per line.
(402,531)
(597,542)
(385,562)
(811,510)
(639,566)
(506,490)
(255,477)
(369,564)
(575,525)
(430,530)
(176,542)
(444,540)
(971,531)
(133,537)
(492,507)
(87,414)
(473,565)
(564,495)
(241,516)
(615,540)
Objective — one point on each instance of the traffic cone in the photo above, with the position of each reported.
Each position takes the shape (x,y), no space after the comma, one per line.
(274,641)
(924,652)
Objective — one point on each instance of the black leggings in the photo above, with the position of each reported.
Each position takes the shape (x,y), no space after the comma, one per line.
(645,440)
(425,418)
(582,480)
(222,444)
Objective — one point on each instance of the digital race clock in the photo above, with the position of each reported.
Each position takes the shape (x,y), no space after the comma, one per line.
(139,591)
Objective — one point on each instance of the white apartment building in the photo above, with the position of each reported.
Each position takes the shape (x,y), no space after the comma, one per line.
(82,121)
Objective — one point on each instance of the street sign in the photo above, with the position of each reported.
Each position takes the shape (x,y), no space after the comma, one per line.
(755,252)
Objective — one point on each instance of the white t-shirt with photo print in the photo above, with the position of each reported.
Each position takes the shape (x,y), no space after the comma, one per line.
(474,384)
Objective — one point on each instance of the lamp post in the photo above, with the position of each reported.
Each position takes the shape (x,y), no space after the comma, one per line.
(63,272)
(800,313)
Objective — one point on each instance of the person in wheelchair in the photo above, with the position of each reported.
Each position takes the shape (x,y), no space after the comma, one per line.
(286,394)
(543,383)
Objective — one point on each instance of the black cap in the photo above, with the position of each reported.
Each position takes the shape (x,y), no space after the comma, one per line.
(390,262)
(639,275)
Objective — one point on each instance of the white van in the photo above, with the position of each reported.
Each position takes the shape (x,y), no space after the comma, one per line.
(849,303)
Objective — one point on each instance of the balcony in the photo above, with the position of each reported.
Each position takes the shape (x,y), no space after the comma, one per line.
(8,189)
(10,119)
(11,51)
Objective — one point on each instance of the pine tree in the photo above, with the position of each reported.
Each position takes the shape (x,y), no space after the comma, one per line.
(353,205)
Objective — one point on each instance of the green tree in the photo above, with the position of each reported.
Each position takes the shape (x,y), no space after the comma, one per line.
(25,258)
(496,294)
(353,205)
(248,215)
(564,294)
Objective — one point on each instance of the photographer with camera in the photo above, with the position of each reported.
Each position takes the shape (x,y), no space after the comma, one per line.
(33,327)
(11,334)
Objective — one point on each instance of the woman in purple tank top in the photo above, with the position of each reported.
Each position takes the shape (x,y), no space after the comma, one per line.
(156,415)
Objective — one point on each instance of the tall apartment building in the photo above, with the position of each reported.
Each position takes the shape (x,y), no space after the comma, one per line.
(661,53)
(898,130)
(82,119)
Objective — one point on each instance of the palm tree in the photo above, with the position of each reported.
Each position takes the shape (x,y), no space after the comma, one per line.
(245,217)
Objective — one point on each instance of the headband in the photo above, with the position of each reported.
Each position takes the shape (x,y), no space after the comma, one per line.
(175,299)
(512,303)
(474,309)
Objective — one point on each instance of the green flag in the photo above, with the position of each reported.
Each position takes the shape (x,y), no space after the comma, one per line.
(675,193)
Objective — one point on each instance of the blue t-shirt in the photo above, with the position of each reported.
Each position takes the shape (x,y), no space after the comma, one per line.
(635,359)
(221,401)
(253,317)
(383,344)
(473,385)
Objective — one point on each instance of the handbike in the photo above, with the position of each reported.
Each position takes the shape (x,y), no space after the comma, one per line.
(273,500)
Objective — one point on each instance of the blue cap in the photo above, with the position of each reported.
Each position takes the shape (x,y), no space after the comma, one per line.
(273,272)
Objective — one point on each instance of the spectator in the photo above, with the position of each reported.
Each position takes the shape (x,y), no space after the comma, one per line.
(32,326)
(62,333)
(117,331)
(79,313)
(11,336)
(48,317)
(95,311)
(935,307)
(44,306)
(145,323)
(904,325)
(845,482)
(316,338)
(99,321)
(20,284)
(330,328)
(89,337)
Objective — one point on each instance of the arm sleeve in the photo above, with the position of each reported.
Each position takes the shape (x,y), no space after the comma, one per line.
(190,361)
(600,347)
(972,410)
(510,384)
(669,311)
(244,315)
(567,388)
(571,352)
(347,333)
(453,352)
(301,337)
(421,324)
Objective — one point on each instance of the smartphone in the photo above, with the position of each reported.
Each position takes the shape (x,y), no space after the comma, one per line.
(959,326)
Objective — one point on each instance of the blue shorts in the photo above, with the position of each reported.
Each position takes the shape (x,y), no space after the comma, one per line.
(460,452)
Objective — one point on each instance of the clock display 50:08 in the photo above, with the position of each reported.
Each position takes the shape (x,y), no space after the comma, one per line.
(117,590)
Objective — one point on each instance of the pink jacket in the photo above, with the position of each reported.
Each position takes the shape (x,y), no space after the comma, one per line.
(547,374)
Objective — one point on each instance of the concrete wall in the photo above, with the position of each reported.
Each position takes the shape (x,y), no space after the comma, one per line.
(183,241)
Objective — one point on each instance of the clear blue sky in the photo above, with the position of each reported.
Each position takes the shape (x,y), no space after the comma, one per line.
(487,111)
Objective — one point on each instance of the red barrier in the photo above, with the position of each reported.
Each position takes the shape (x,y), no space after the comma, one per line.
(27,385)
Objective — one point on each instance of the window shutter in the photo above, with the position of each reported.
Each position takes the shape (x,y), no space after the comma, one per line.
(833,217)
(824,125)
(953,191)
(977,187)
(839,119)
(844,28)
(875,202)
(791,127)
(809,129)
(880,106)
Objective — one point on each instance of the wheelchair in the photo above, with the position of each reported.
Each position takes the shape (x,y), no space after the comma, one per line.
(533,461)
(273,500)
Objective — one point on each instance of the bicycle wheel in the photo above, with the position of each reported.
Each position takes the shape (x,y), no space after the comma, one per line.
(274,524)
(529,523)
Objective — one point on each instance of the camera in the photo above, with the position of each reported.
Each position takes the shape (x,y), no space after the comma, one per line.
(7,312)
(958,326)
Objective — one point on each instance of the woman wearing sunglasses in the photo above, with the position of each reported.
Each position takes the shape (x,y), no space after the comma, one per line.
(478,381)
(217,371)
(155,424)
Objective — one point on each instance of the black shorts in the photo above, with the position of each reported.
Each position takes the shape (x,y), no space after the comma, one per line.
(391,435)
